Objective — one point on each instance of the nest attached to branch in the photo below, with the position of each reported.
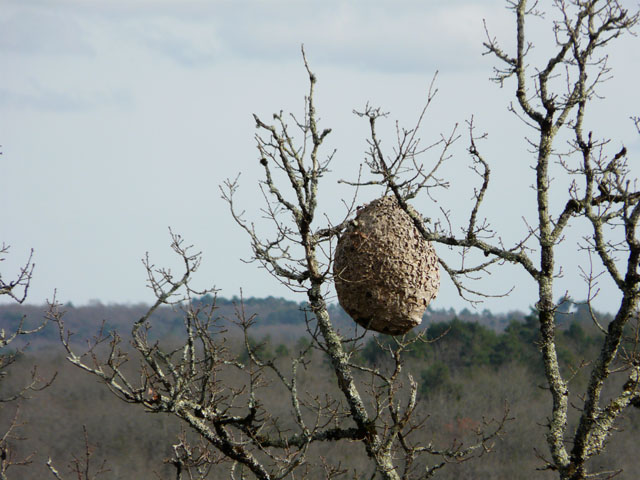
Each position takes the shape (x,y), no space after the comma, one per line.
(385,272)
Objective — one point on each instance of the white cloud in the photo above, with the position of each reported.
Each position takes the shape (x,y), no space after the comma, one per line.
(373,35)
(45,99)
(380,36)
(42,31)
(189,43)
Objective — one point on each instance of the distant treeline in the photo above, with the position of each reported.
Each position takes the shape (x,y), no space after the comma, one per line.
(467,347)
(271,312)
(466,343)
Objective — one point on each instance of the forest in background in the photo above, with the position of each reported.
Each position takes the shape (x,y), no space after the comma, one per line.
(478,364)
(270,312)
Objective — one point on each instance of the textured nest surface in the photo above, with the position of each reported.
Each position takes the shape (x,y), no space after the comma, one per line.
(385,272)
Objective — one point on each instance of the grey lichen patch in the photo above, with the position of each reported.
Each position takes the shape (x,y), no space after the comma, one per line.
(386,273)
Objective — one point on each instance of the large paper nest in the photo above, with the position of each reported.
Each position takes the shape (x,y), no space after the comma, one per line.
(385,272)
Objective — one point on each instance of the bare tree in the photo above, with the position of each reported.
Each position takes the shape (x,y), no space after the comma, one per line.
(224,400)
(80,468)
(16,290)
(300,257)
(552,100)
(191,461)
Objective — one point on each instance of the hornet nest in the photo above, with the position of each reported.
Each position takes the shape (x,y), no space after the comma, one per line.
(385,272)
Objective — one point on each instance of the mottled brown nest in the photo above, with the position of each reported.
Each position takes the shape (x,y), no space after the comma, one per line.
(385,272)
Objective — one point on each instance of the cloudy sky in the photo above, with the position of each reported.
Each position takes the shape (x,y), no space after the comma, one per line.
(120,119)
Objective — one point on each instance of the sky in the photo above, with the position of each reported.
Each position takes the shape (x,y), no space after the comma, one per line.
(121,119)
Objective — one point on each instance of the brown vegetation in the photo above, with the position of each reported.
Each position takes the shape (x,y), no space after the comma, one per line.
(138,444)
